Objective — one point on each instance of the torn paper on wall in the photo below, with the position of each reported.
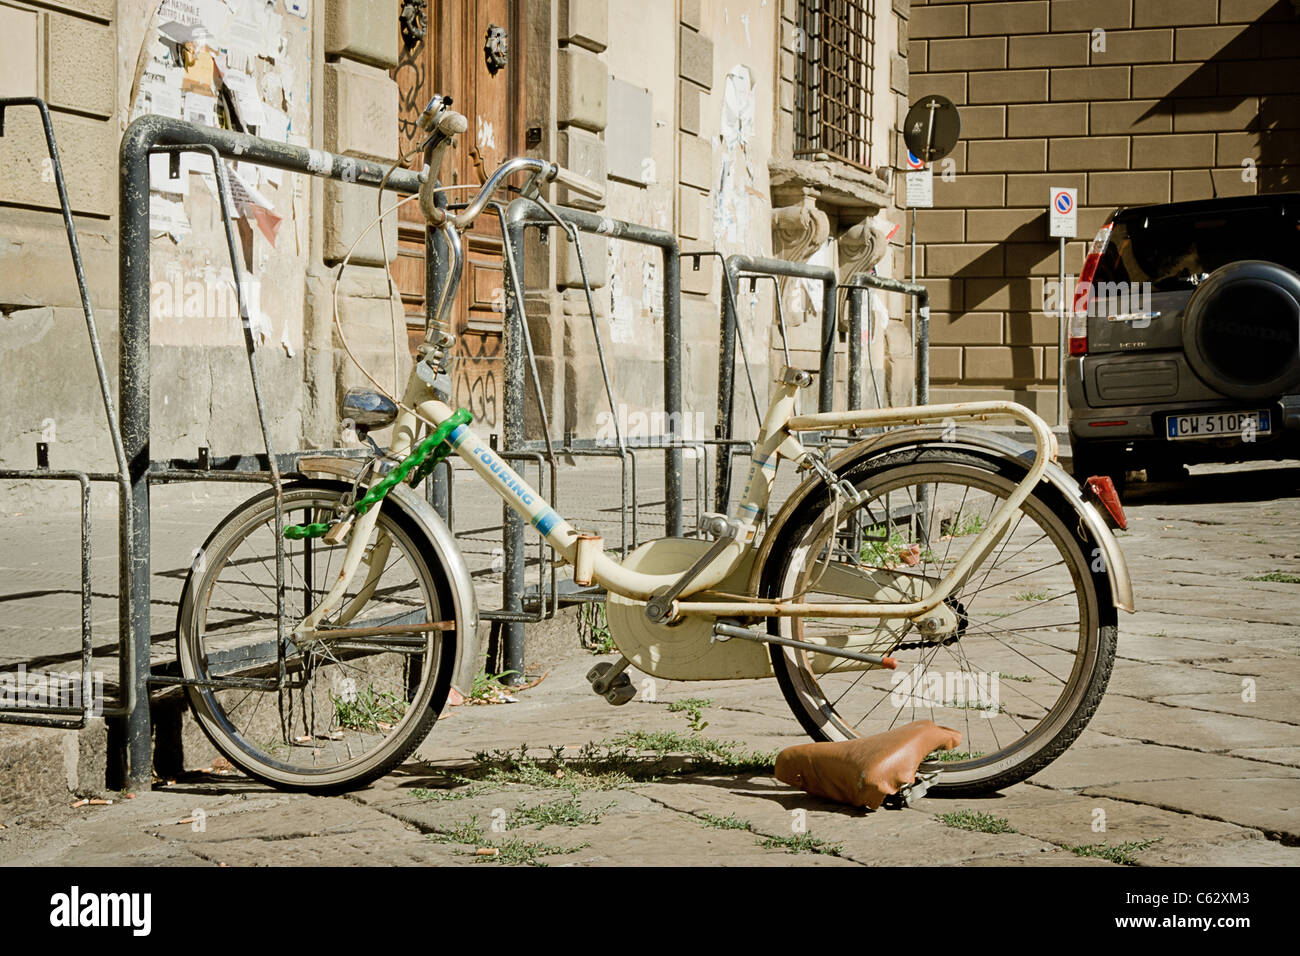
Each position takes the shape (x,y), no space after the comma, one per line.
(251,203)
(167,217)
(160,175)
(258,321)
(160,91)
(244,93)
(652,290)
(731,203)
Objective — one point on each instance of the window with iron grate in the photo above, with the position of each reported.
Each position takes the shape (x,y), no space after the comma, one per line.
(835,44)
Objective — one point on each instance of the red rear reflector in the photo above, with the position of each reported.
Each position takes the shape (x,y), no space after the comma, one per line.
(1103,490)
(1120,421)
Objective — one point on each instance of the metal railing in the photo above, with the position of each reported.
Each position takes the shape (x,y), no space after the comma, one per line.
(143,137)
(137,471)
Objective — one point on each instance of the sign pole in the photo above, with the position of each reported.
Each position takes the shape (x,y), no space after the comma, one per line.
(912,242)
(1062,224)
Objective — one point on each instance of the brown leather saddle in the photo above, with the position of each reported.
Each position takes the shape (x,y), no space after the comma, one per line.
(867,771)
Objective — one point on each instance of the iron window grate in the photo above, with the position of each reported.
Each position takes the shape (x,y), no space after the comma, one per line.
(833,79)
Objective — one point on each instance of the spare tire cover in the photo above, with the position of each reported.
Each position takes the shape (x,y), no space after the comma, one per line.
(1241,330)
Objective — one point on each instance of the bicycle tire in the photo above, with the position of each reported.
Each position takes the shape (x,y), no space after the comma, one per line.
(978,771)
(416,674)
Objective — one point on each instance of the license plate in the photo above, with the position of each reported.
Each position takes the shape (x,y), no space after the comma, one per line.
(1243,425)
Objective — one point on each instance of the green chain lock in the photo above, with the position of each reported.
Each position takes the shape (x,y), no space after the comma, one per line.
(417,459)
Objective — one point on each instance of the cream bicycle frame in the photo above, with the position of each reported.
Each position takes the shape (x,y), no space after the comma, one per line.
(777,439)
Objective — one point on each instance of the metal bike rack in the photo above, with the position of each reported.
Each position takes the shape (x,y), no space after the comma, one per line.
(145,135)
(866,281)
(519,215)
(131,436)
(57,715)
(732,268)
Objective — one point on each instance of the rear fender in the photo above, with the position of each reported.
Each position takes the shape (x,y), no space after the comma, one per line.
(1061,491)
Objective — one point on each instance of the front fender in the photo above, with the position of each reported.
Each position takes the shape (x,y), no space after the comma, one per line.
(1065,488)
(442,549)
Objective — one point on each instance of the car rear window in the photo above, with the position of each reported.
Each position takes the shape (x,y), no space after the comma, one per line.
(1177,251)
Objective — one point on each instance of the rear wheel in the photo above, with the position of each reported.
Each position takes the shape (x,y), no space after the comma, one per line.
(327,711)
(1033,651)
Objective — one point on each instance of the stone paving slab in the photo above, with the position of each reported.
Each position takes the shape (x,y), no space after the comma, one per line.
(1205,730)
(1270,804)
(1271,703)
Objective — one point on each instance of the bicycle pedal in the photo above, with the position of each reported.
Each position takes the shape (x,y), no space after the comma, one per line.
(612,682)
(913,792)
(621,693)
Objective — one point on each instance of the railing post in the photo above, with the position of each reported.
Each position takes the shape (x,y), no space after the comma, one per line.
(673,387)
(435,268)
(512,435)
(133,387)
(855,348)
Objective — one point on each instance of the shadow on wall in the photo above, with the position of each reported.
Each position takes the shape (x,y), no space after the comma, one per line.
(1260,63)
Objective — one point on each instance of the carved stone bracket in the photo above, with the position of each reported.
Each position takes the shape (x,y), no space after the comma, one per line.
(798,230)
(861,246)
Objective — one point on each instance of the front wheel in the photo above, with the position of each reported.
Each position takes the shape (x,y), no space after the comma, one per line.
(1033,649)
(332,710)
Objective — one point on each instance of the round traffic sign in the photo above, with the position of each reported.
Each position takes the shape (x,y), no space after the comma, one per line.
(932,128)
(1063,203)
(913,162)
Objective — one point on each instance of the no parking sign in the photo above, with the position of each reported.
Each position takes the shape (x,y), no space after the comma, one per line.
(1063,213)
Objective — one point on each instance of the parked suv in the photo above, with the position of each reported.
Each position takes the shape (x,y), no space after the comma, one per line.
(1183,339)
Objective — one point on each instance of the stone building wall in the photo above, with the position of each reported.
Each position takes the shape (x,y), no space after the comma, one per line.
(683,110)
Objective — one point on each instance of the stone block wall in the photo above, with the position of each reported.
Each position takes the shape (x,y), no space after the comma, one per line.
(1127,101)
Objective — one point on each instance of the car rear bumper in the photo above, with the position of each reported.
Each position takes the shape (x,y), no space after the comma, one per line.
(1142,428)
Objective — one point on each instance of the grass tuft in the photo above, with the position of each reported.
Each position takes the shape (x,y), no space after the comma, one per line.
(564,813)
(1121,853)
(694,709)
(801,843)
(976,820)
(729,822)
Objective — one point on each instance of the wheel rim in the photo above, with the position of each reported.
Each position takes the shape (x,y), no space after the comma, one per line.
(1021,664)
(346,706)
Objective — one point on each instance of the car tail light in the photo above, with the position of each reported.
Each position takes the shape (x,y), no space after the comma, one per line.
(1078,329)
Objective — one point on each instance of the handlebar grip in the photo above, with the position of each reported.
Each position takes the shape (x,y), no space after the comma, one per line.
(452,123)
(578,184)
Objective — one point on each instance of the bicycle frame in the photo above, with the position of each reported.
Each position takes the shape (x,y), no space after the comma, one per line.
(778,439)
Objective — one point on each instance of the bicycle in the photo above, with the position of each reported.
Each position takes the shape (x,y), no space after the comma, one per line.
(908,550)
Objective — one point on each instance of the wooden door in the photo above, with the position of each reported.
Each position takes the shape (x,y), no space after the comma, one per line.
(451,60)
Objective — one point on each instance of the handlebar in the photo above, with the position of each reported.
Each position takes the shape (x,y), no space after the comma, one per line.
(446,123)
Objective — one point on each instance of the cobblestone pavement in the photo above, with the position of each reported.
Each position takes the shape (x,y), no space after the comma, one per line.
(1192,758)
